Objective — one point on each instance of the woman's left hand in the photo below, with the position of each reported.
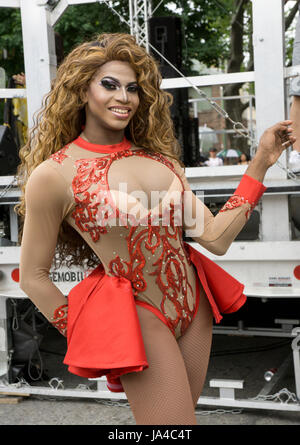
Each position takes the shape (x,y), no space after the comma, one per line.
(274,141)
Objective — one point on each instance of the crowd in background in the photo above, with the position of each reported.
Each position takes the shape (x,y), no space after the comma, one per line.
(216,159)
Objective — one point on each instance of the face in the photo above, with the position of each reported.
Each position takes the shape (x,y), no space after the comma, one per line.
(112,97)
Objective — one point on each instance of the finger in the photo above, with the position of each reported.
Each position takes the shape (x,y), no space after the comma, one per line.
(283,128)
(284,131)
(286,122)
(281,125)
(286,143)
(291,141)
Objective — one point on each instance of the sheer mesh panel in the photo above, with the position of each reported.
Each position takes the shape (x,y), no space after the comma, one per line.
(136,231)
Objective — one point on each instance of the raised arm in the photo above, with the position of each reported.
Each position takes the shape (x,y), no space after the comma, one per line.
(46,206)
(216,233)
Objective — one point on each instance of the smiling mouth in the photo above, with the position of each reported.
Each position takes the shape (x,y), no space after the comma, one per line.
(120,111)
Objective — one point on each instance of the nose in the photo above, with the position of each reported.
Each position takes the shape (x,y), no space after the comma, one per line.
(122,95)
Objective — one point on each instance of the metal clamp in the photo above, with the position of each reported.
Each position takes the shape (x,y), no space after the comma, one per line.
(227,387)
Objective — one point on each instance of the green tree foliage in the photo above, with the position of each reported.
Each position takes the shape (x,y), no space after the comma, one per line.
(80,23)
(11,45)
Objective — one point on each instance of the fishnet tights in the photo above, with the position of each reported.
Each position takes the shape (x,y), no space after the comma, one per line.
(166,393)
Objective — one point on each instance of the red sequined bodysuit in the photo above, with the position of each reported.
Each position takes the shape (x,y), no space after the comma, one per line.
(106,194)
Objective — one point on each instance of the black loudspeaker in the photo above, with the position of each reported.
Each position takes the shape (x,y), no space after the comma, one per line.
(295,211)
(194,146)
(250,231)
(186,128)
(9,153)
(165,35)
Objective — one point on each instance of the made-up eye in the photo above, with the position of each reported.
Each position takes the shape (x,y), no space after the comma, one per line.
(108,84)
(133,88)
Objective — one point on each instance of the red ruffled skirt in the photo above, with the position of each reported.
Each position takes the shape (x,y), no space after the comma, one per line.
(104,335)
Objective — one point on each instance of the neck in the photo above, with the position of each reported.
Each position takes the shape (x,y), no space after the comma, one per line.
(103,137)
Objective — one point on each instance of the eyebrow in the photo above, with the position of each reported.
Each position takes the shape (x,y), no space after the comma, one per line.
(116,80)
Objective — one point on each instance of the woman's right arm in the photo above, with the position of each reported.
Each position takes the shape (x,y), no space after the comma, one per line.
(46,206)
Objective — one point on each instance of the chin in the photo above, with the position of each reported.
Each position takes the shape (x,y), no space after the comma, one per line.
(118,126)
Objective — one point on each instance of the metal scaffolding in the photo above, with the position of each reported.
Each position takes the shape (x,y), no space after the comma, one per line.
(140,11)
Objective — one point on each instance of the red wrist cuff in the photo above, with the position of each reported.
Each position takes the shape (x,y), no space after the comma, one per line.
(250,189)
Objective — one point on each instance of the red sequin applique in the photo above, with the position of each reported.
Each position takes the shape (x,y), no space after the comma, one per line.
(95,208)
(60,155)
(169,268)
(59,319)
(236,201)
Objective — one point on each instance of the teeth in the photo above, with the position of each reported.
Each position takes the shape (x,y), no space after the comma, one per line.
(119,110)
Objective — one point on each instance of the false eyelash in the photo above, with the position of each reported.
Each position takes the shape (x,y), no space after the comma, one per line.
(107,83)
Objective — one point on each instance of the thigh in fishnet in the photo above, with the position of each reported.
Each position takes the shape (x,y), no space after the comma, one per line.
(195,346)
(161,394)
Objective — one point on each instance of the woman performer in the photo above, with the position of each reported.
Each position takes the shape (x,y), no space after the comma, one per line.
(104,143)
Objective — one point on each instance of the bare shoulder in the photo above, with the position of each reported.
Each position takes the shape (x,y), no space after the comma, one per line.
(45,181)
